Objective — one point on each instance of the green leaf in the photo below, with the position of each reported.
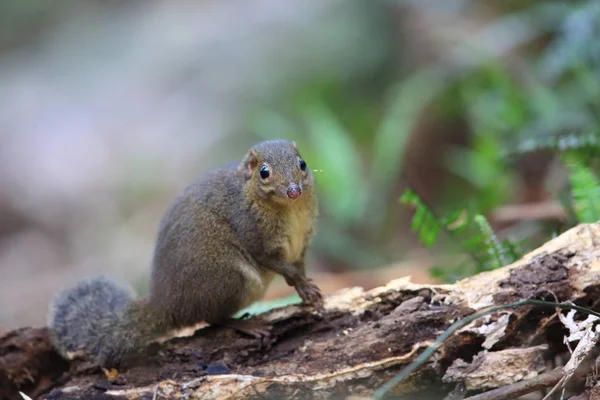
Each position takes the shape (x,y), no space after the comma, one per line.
(264,306)
(585,188)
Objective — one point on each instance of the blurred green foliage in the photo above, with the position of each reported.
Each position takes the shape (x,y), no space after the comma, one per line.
(544,98)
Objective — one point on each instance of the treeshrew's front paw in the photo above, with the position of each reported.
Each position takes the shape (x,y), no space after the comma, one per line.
(310,294)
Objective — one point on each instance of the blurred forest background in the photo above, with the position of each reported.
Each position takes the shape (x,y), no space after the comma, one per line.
(488,110)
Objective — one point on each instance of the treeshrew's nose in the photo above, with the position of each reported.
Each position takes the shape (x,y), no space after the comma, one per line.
(294,191)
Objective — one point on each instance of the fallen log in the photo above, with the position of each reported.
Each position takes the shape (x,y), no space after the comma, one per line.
(360,341)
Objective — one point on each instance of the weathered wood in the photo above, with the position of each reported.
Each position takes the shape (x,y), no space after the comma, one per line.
(360,341)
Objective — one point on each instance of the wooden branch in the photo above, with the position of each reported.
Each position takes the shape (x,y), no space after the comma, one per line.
(358,343)
(511,213)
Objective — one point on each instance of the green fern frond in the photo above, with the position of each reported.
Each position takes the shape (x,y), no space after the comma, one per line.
(585,188)
(474,236)
(496,251)
(424,222)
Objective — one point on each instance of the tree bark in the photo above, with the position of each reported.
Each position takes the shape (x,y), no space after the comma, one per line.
(361,340)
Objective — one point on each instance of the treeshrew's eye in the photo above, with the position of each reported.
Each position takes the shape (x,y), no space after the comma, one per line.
(264,172)
(302,165)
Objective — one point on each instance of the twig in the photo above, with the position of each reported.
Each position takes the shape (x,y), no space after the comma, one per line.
(584,348)
(529,211)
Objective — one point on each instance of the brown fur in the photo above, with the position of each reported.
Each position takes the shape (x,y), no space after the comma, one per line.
(218,247)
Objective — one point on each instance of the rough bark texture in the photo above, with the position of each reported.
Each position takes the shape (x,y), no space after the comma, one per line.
(359,342)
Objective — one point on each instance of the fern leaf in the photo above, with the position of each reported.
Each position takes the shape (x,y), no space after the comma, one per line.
(474,236)
(424,222)
(494,248)
(585,189)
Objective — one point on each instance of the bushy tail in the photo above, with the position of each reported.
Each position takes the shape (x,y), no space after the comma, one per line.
(100,318)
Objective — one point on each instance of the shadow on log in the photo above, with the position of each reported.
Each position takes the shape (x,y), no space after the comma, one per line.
(361,340)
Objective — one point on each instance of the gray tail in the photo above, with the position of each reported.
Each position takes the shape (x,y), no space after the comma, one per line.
(93,317)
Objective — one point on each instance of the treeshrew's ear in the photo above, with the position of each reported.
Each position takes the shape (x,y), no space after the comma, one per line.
(248,164)
(295,145)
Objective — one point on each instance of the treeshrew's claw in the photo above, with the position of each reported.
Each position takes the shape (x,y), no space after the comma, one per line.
(311,294)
